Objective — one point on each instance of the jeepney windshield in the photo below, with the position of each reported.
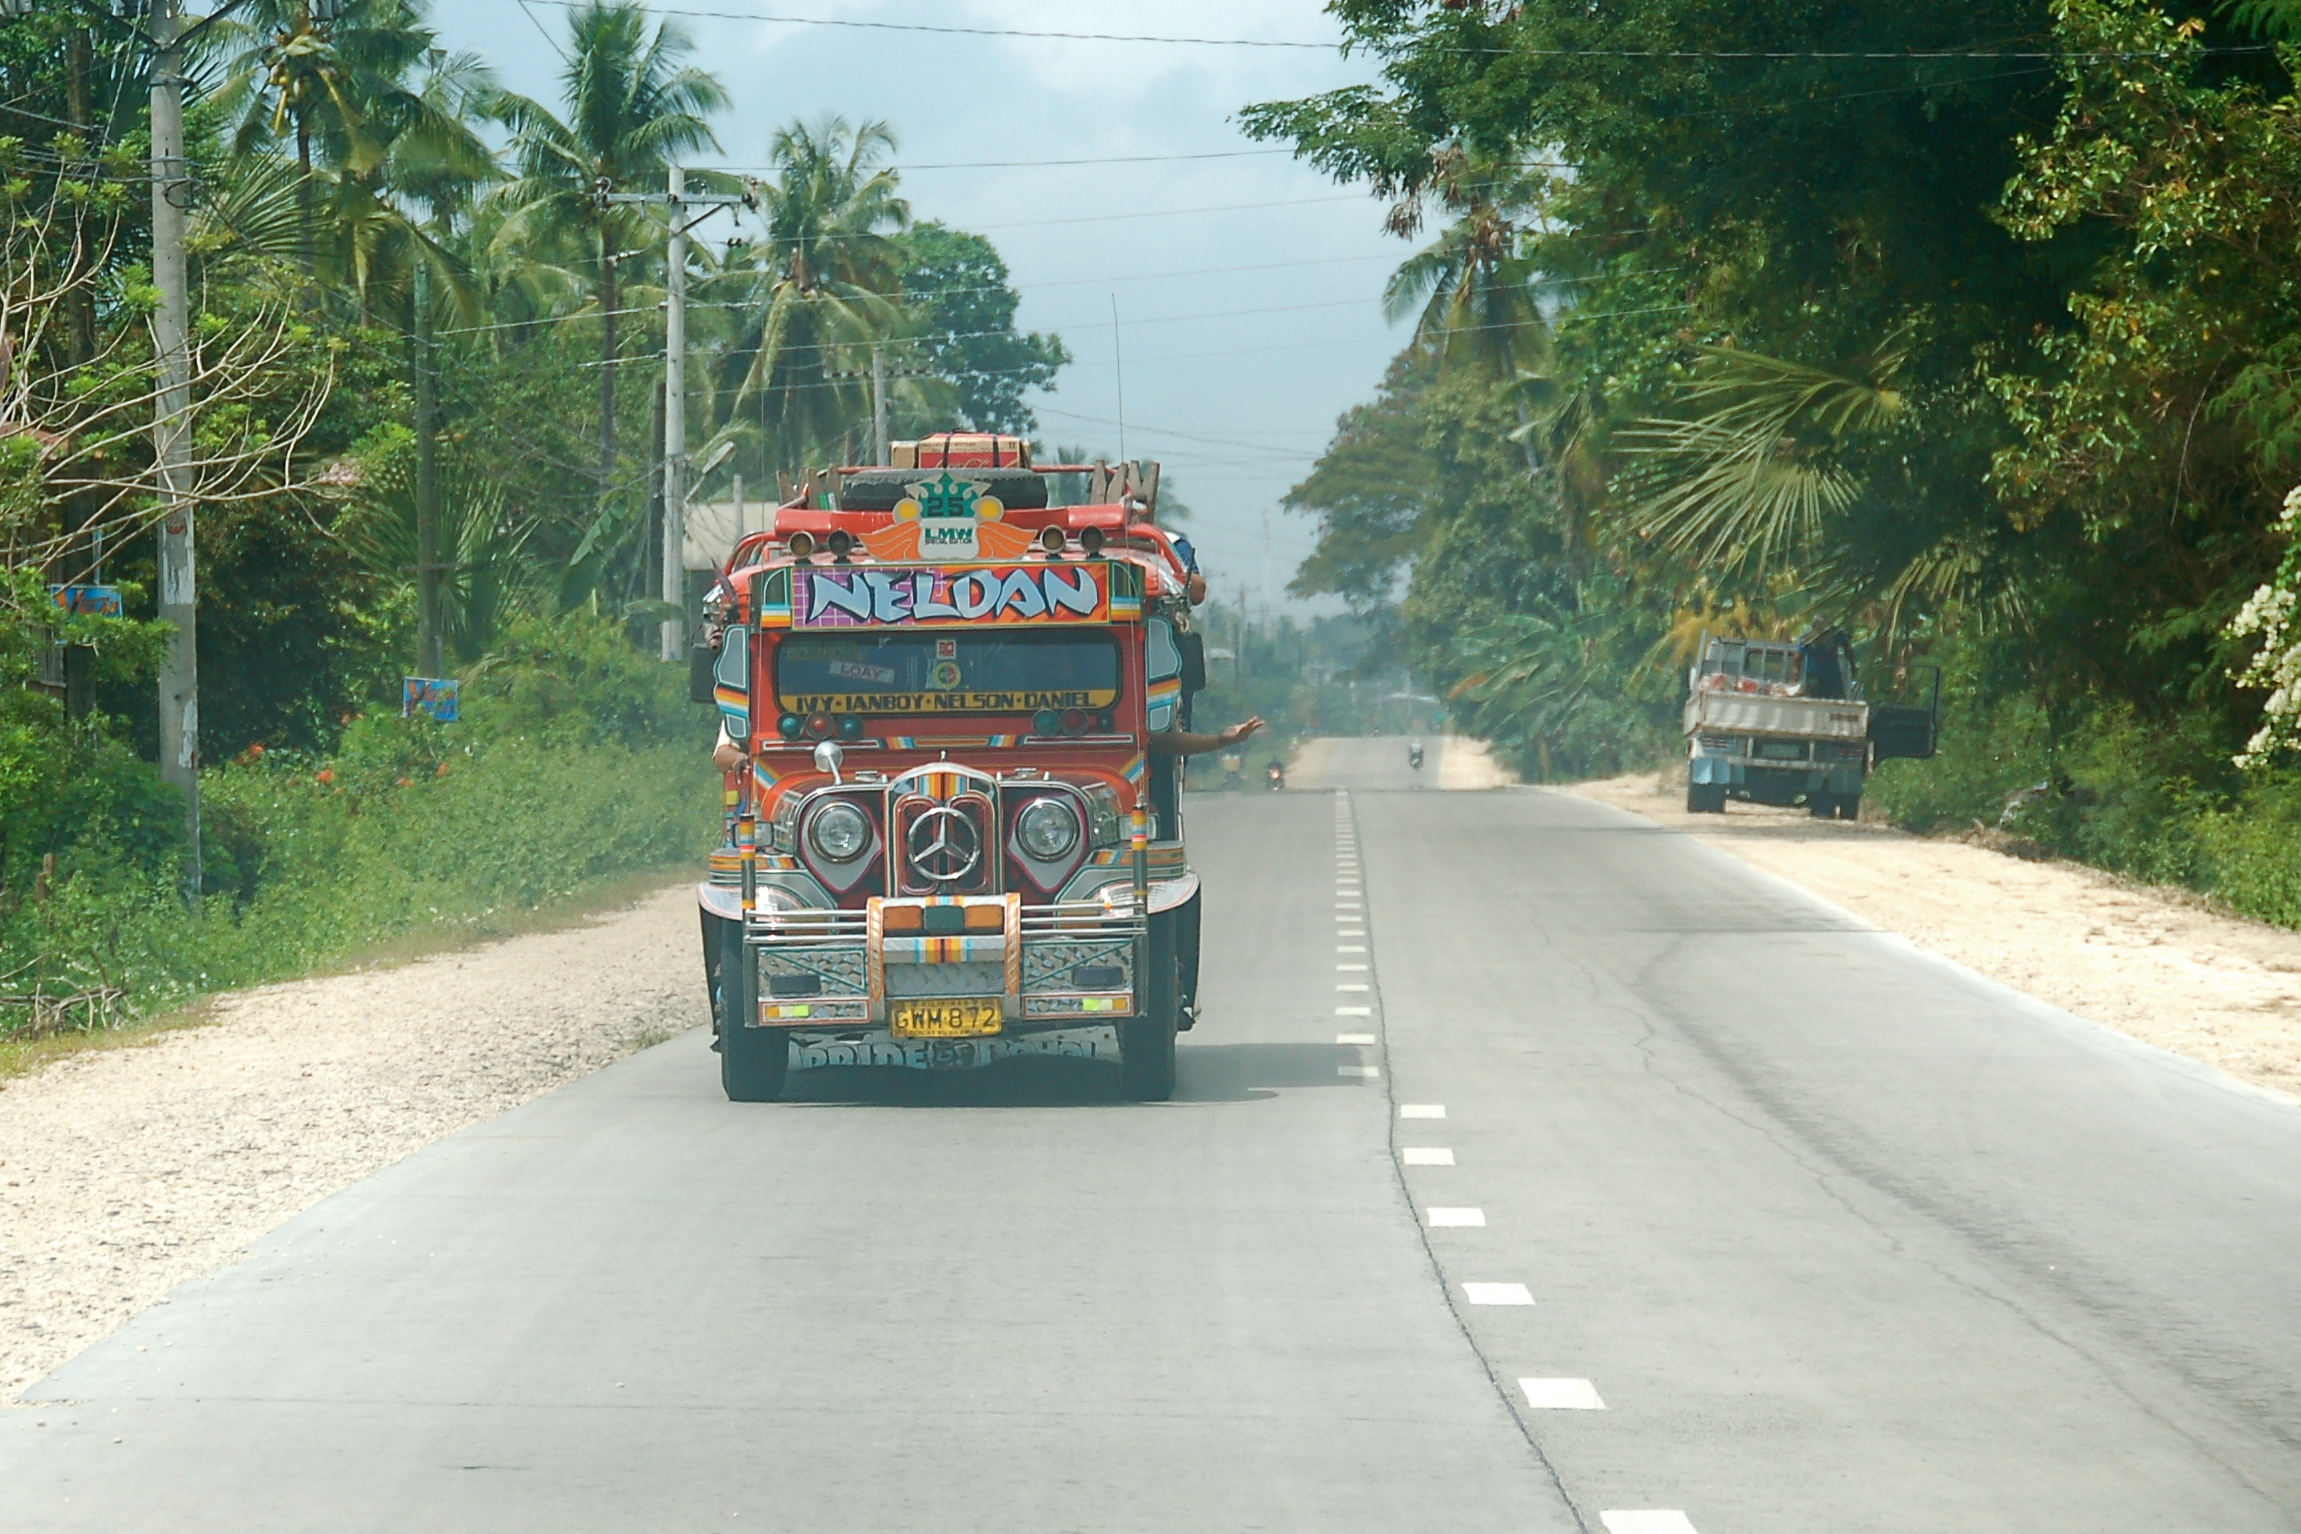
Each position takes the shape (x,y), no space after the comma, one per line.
(914,671)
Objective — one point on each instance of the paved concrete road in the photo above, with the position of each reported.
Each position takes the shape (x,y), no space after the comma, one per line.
(1377,764)
(1815,1232)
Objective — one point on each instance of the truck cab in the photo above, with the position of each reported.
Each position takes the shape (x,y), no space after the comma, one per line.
(951,837)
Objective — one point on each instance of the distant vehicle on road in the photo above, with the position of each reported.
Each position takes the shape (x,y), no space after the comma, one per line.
(1787,724)
(954,832)
(1274,776)
(1233,772)
(1414,756)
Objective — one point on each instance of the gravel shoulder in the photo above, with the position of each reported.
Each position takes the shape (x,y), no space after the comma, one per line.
(125,1171)
(2157,964)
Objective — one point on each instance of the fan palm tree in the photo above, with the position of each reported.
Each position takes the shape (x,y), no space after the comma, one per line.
(1749,477)
(822,287)
(632,108)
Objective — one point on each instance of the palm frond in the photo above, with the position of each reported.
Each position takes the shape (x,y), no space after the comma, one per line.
(1750,476)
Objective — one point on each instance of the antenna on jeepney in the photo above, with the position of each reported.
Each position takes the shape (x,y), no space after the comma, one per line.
(1119,366)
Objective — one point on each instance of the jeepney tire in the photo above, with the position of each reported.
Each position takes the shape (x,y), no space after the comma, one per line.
(1146,1040)
(753,1062)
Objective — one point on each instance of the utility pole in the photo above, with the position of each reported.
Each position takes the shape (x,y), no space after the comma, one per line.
(879,447)
(675,200)
(427,566)
(171,328)
(675,416)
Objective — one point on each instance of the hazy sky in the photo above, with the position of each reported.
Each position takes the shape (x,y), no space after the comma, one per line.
(1247,285)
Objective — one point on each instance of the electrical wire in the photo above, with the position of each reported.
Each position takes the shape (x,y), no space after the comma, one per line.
(944,29)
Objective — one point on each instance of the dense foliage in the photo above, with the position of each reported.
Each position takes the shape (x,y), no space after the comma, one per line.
(373,221)
(1971,329)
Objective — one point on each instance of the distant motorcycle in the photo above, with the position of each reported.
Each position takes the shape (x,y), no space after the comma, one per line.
(1233,774)
(1414,756)
(1274,777)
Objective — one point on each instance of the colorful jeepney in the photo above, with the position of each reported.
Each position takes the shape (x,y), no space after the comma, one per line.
(950,838)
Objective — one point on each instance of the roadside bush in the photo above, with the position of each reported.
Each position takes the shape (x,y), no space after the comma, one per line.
(579,761)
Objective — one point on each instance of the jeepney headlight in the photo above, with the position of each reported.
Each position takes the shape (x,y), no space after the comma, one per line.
(1047,828)
(839,832)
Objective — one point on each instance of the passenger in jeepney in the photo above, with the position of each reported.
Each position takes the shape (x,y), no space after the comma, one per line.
(1185,743)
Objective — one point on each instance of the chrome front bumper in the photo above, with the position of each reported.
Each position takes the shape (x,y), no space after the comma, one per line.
(1052,968)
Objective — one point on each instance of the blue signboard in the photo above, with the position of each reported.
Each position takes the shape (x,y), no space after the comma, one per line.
(433,695)
(87,601)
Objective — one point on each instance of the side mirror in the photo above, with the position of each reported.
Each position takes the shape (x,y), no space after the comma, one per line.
(700,660)
(1193,661)
(829,758)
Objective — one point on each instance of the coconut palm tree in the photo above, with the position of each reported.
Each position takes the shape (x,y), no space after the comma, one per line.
(632,108)
(316,81)
(815,295)
(1472,290)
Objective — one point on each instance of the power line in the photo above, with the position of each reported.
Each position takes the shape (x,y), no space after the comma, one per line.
(1903,55)
(1115,159)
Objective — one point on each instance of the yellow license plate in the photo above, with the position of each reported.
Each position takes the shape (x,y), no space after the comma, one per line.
(945,1019)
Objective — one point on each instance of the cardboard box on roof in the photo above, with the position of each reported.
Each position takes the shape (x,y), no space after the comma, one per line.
(962,450)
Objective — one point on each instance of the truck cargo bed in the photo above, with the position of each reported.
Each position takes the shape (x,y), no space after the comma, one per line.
(1737,713)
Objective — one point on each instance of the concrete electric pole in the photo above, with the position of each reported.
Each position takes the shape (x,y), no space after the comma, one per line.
(171,329)
(879,446)
(675,415)
(677,204)
(427,566)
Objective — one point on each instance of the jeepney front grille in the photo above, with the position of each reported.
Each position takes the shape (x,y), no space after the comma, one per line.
(1050,966)
(969,979)
(834,971)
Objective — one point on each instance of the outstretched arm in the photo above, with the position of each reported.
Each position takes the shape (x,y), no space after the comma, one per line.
(1184,743)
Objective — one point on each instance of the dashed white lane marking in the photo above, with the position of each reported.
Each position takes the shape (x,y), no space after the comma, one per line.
(1650,1521)
(1422,1110)
(1426,1155)
(1353,1011)
(1351,969)
(1472,1219)
(1367,1072)
(1350,987)
(1497,1294)
(1354,1038)
(1561,1395)
(1351,948)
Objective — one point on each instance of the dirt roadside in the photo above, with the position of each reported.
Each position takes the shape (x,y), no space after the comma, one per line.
(125,1171)
(2157,964)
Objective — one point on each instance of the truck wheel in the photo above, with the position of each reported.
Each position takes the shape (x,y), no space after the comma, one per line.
(753,1062)
(1146,1040)
(1850,808)
(1822,806)
(1705,798)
